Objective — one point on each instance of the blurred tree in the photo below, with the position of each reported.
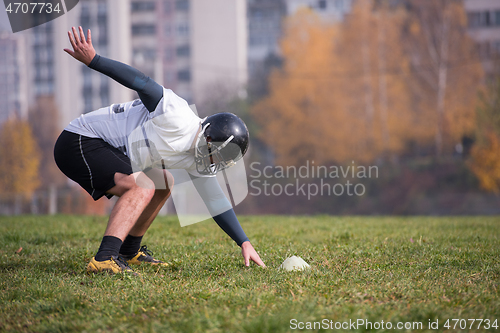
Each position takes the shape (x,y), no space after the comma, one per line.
(298,118)
(376,80)
(485,155)
(258,83)
(445,69)
(335,99)
(43,117)
(19,160)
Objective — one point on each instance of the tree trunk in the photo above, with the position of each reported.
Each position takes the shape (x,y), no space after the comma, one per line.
(34,204)
(18,204)
(52,200)
(442,84)
(369,108)
(382,78)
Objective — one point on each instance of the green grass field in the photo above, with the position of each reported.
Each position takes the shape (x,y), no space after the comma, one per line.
(395,269)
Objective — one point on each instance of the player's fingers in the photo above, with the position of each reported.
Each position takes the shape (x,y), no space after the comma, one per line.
(82,35)
(89,37)
(75,36)
(71,53)
(247,261)
(71,40)
(258,261)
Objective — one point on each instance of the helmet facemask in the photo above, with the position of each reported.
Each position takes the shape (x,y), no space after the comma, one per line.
(209,156)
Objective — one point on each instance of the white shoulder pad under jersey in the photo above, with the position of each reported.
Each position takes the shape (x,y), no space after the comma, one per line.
(171,128)
(165,140)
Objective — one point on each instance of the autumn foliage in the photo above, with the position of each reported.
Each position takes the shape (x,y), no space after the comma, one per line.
(43,118)
(485,156)
(19,160)
(371,86)
(486,163)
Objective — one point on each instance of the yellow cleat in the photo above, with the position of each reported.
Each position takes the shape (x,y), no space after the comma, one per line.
(144,256)
(115,265)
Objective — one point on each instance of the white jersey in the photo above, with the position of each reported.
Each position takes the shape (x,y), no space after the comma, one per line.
(162,138)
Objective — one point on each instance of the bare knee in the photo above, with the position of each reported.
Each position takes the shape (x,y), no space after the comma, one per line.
(139,183)
(143,194)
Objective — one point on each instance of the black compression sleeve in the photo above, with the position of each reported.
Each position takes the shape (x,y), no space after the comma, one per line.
(149,91)
(219,207)
(228,222)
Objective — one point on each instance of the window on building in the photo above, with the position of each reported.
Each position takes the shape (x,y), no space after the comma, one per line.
(497,18)
(85,17)
(143,6)
(169,77)
(182,5)
(486,19)
(480,19)
(167,6)
(167,30)
(44,88)
(256,13)
(169,54)
(102,9)
(87,76)
(87,93)
(102,25)
(495,45)
(184,75)
(322,4)
(104,90)
(183,51)
(183,29)
(149,53)
(143,29)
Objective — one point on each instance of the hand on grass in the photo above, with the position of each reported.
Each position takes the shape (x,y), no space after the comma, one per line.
(82,47)
(249,253)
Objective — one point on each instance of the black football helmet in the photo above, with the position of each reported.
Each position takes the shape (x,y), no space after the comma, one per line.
(222,141)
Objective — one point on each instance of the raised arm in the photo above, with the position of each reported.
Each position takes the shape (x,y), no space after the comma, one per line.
(223,214)
(149,91)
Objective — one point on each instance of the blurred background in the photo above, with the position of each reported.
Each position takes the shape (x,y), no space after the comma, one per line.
(411,87)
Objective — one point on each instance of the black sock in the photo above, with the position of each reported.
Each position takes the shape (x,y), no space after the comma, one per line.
(131,245)
(110,246)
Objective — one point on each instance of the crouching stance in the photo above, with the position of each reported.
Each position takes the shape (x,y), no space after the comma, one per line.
(98,151)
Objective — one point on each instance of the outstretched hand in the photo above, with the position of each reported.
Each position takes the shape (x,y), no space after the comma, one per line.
(82,47)
(249,253)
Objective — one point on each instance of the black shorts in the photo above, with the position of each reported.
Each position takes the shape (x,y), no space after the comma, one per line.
(90,162)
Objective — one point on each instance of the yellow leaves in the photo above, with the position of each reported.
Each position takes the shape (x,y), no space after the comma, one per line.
(486,163)
(19,159)
(367,87)
(485,155)
(325,104)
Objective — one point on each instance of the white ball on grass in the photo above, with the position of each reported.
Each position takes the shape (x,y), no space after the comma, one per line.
(294,263)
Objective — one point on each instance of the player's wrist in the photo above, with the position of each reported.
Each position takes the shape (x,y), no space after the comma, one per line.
(92,59)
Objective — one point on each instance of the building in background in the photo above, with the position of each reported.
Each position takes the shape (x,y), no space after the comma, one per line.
(219,48)
(265,18)
(264,32)
(191,46)
(195,47)
(265,26)
(76,88)
(329,10)
(13,83)
(483,18)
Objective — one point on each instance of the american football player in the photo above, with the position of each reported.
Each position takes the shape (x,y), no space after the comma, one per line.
(124,150)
